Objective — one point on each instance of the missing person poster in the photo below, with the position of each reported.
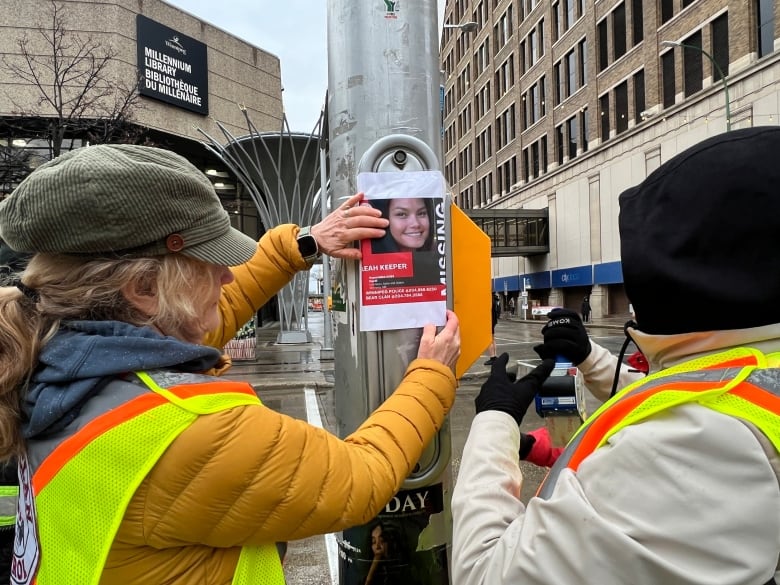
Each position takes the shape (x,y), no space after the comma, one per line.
(403,282)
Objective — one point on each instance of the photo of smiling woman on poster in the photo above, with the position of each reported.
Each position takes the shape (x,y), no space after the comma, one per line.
(411,225)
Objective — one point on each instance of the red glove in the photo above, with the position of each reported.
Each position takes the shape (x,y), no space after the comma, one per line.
(638,361)
(542,452)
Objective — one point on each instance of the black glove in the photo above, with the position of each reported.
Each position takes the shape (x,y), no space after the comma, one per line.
(564,335)
(526,444)
(498,393)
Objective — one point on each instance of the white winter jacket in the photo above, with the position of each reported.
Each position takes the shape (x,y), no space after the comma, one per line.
(688,497)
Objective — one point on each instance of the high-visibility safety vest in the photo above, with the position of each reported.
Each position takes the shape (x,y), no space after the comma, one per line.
(121,438)
(742,383)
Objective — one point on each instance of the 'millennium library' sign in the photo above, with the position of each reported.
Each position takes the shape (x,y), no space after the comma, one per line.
(173,66)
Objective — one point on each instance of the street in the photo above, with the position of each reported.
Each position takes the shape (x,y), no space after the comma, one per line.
(312,561)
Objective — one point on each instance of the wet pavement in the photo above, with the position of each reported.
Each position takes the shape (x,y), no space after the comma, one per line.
(293,379)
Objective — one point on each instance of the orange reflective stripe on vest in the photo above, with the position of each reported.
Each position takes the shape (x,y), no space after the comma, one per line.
(720,382)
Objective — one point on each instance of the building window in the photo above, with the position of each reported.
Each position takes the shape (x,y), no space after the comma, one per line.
(523,67)
(667,74)
(483,102)
(482,58)
(569,13)
(505,76)
(559,143)
(480,14)
(556,21)
(526,165)
(639,95)
(619,31)
(465,162)
(765,11)
(720,45)
(571,131)
(534,104)
(603,47)
(604,114)
(535,160)
(621,107)
(484,146)
(507,176)
(667,10)
(687,2)
(571,73)
(693,65)
(466,198)
(559,93)
(637,23)
(505,127)
(584,129)
(503,30)
(583,57)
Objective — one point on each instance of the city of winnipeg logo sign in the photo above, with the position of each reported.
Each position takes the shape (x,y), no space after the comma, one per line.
(173,43)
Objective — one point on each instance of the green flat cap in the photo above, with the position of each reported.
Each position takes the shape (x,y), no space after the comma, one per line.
(122,200)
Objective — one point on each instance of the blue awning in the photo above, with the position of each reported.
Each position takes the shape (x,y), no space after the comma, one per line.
(608,273)
(508,283)
(576,276)
(538,279)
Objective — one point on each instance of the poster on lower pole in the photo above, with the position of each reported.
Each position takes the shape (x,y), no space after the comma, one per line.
(403,281)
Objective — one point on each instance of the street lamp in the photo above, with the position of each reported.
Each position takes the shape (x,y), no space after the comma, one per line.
(467,27)
(717,68)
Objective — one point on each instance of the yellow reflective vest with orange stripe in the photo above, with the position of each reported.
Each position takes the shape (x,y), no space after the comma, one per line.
(130,429)
(742,383)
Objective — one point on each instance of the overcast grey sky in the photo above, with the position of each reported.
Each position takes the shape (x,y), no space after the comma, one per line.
(294,31)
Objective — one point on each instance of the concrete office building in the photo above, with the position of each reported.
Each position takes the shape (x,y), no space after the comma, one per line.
(553,108)
(193,75)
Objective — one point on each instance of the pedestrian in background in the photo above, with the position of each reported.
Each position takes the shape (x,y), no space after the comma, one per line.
(495,313)
(176,476)
(512,306)
(585,310)
(652,489)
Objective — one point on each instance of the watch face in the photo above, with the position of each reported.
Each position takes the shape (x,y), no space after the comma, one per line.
(308,246)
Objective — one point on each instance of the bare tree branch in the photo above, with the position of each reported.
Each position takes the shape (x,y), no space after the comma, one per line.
(74,78)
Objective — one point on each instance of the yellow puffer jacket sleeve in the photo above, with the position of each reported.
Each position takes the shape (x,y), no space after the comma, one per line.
(274,264)
(251,475)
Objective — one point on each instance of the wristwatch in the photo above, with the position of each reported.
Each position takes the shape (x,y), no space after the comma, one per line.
(308,246)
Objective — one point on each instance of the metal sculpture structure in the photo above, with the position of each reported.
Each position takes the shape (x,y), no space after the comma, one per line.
(281,173)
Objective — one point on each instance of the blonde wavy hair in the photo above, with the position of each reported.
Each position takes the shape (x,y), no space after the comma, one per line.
(72,288)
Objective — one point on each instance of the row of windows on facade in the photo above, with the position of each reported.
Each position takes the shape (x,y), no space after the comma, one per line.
(567,81)
(564,14)
(570,73)
(568,76)
(571,136)
(611,47)
(571,140)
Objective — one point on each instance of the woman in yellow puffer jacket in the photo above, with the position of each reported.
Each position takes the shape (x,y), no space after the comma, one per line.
(142,469)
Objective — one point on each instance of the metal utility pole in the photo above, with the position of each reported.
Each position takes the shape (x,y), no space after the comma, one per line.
(383,104)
